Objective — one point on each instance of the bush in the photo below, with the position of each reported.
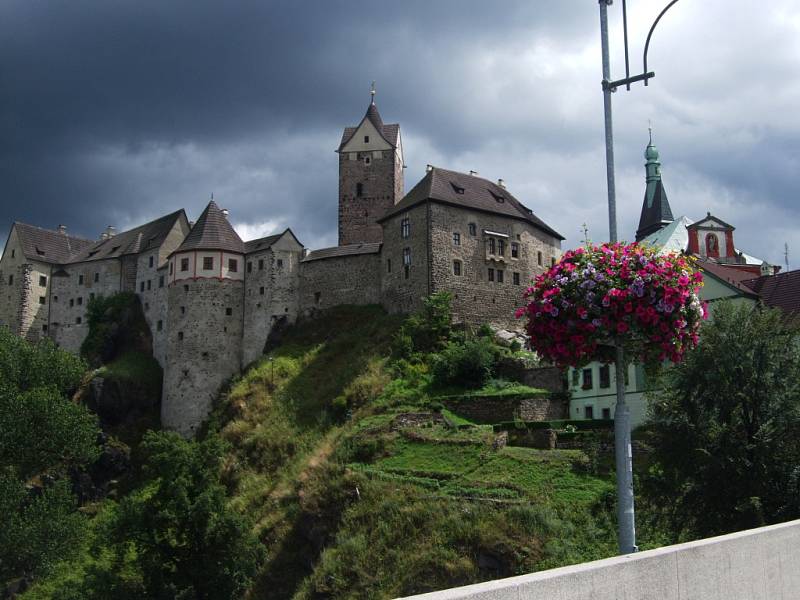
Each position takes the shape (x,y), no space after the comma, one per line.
(469,364)
(427,330)
(116,324)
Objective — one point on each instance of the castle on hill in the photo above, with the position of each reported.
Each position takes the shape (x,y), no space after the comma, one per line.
(211,299)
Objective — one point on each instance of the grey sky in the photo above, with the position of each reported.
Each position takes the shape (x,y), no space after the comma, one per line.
(117,112)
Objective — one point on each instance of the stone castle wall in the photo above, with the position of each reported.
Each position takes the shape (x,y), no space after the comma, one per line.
(477,299)
(204,348)
(401,292)
(381,188)
(24,301)
(329,282)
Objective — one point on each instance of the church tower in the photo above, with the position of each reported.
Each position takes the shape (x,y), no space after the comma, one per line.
(370,176)
(656,212)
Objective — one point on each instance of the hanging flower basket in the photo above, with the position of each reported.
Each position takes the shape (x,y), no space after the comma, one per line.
(615,294)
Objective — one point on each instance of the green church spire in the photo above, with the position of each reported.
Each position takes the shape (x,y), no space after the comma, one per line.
(656,212)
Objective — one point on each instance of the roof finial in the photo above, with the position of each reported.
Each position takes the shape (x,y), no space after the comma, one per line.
(650,130)
(372,93)
(212,195)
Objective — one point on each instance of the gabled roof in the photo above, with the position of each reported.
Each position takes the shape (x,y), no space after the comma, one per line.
(390,133)
(348,250)
(141,238)
(672,238)
(733,278)
(779,291)
(212,231)
(710,217)
(47,246)
(265,242)
(656,211)
(467,191)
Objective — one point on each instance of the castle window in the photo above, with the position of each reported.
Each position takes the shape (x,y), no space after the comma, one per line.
(97,276)
(208,263)
(184,264)
(183,310)
(71,302)
(78,320)
(141,286)
(388,265)
(492,246)
(44,328)
(160,281)
(515,278)
(407,257)
(150,262)
(80,279)
(249,266)
(280,263)
(10,280)
(13,253)
(366,139)
(317,296)
(170,267)
(41,300)
(55,298)
(186,288)
(456,238)
(457,268)
(406,271)
(80,300)
(42,281)
(159,325)
(500,275)
(501,247)
(366,160)
(359,190)
(473,229)
(405,228)
(490,274)
(514,250)
(180,336)
(233,265)
(261,290)
(149,284)
(539,257)
(605,376)
(228,312)
(260,264)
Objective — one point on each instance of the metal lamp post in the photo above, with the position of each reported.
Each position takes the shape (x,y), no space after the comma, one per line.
(626,521)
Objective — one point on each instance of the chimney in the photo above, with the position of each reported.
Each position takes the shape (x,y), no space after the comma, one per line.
(501,183)
(428,168)
(225,212)
(191,224)
(62,229)
(473,173)
(103,236)
(111,231)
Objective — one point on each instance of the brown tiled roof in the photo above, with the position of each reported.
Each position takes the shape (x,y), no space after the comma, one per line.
(212,231)
(48,246)
(779,291)
(349,250)
(468,191)
(261,243)
(141,238)
(733,277)
(390,133)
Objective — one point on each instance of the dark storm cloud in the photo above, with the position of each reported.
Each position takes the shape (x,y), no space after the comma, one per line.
(117,112)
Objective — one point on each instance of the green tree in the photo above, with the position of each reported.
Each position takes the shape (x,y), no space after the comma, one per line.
(727,425)
(427,330)
(42,436)
(187,543)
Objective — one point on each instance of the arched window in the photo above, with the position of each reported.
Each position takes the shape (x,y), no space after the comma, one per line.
(712,245)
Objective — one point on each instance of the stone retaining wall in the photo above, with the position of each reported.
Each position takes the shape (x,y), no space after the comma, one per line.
(489,409)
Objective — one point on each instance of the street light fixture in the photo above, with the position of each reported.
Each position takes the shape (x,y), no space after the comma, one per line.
(626,521)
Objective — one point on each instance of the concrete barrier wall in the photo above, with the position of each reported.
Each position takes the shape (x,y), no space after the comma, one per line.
(758,564)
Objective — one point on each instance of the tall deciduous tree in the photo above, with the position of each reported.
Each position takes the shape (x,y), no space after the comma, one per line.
(727,423)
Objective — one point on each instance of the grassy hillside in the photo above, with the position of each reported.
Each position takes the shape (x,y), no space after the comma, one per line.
(351,502)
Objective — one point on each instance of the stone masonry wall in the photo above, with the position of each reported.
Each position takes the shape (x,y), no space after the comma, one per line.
(476,299)
(398,293)
(339,280)
(12,274)
(488,409)
(272,293)
(203,348)
(72,288)
(382,188)
(151,285)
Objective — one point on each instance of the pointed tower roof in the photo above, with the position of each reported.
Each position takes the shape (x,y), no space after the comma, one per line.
(212,231)
(390,133)
(656,212)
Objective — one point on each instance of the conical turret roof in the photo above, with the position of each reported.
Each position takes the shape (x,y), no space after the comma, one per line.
(212,231)
(656,212)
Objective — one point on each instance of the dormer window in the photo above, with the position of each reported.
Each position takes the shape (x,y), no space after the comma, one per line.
(457,189)
(497,197)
